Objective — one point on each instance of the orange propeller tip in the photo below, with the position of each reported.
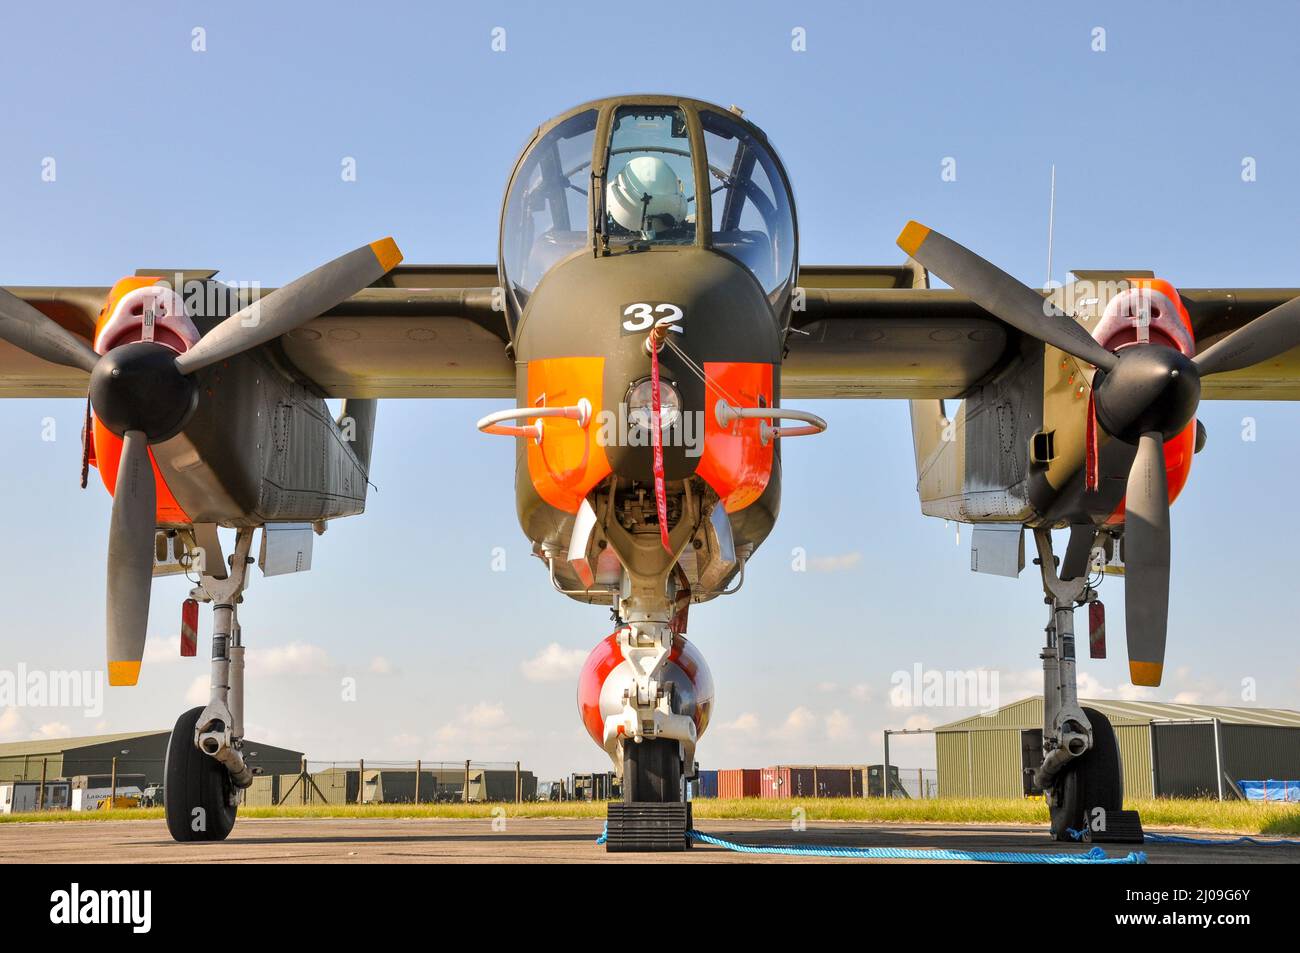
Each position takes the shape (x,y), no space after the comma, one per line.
(123,673)
(911,237)
(1147,674)
(387,252)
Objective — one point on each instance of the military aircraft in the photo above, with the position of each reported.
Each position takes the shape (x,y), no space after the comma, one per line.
(647,319)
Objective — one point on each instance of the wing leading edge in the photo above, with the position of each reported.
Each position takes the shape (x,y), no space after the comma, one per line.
(878,331)
(857,332)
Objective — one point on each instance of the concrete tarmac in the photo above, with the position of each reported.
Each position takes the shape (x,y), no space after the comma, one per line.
(539,840)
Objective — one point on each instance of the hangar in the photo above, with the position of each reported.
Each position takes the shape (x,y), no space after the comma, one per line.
(1169,750)
(136,752)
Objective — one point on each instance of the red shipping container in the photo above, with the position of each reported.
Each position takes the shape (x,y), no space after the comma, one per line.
(739,782)
(781,782)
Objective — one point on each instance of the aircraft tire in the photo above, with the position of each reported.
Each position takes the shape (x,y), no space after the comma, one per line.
(196,788)
(1093,780)
(652,772)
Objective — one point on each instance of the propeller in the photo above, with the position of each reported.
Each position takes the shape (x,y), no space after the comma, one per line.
(1143,395)
(29,330)
(144,392)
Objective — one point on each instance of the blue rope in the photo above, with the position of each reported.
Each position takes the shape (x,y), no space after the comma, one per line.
(1094,856)
(1212,841)
(1253,841)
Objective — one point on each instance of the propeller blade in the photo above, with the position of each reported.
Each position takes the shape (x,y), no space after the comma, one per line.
(1269,335)
(1000,294)
(295,304)
(29,330)
(130,559)
(1146,561)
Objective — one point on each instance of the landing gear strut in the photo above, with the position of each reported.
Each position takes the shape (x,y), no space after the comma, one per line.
(1081,775)
(205,768)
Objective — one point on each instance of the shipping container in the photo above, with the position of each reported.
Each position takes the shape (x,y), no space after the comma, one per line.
(782,781)
(812,781)
(740,782)
(707,784)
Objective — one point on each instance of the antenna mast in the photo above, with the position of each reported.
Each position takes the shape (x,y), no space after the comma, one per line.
(1051,227)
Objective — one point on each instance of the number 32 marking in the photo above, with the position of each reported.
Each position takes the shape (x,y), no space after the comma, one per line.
(641,316)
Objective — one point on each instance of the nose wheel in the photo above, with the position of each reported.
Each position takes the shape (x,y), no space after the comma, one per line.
(654,816)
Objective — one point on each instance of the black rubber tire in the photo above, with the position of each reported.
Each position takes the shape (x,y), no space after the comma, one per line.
(191,780)
(1094,780)
(652,772)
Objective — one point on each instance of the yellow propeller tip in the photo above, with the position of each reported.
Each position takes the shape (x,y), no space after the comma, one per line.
(911,237)
(1146,673)
(387,252)
(123,673)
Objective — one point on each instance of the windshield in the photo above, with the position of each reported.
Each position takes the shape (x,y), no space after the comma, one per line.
(546,213)
(753,215)
(650,185)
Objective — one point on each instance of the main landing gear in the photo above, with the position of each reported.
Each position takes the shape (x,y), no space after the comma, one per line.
(1081,774)
(205,769)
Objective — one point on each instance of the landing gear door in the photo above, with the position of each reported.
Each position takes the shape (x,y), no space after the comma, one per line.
(286,548)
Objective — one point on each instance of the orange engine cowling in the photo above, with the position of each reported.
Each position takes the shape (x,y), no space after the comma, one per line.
(139,309)
(1168,324)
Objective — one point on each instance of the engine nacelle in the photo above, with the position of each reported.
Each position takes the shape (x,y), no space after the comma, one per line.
(607,678)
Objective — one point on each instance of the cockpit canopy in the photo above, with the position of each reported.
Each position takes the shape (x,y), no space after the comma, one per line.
(642,173)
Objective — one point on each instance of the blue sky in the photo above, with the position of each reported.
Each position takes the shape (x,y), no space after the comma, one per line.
(230,158)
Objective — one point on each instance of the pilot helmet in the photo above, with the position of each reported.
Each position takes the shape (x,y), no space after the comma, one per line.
(646,196)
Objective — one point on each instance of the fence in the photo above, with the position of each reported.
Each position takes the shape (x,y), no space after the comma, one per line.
(396,782)
(314,783)
(918,783)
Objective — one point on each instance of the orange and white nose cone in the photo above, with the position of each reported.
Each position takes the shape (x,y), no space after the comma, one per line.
(607,675)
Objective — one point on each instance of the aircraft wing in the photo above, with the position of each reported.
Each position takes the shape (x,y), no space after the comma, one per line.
(858,331)
(423,331)
(877,331)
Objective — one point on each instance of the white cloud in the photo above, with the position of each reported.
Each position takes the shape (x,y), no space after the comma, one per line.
(835,563)
(839,726)
(797,724)
(296,658)
(53,729)
(485,721)
(862,692)
(747,723)
(200,690)
(554,663)
(11,725)
(158,651)
(381,666)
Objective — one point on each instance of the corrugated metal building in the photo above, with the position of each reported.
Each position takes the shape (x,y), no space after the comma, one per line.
(1169,750)
(137,753)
